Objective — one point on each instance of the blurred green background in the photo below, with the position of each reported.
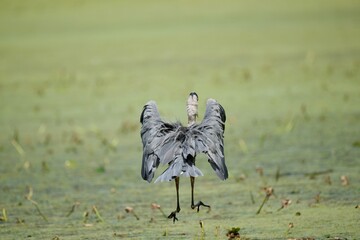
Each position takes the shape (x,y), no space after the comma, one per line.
(74,76)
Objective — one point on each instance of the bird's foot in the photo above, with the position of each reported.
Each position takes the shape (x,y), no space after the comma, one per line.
(173,216)
(200,203)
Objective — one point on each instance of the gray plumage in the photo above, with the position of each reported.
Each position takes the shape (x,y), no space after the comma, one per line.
(177,145)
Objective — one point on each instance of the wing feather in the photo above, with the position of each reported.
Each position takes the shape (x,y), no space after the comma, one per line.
(158,140)
(209,137)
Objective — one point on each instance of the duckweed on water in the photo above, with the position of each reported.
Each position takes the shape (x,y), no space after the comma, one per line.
(74,77)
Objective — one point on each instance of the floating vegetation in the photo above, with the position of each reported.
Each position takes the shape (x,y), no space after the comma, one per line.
(260,171)
(202,235)
(18,147)
(217,231)
(165,233)
(130,210)
(119,235)
(356,144)
(76,138)
(233,233)
(156,206)
(44,167)
(72,208)
(252,198)
(246,74)
(20,221)
(110,145)
(86,216)
(71,149)
(313,175)
(62,115)
(16,137)
(289,126)
(316,199)
(28,197)
(241,178)
(43,136)
(4,217)
(327,180)
(284,203)
(344,180)
(303,238)
(269,191)
(277,174)
(101,169)
(304,112)
(96,211)
(70,164)
(290,226)
(263,139)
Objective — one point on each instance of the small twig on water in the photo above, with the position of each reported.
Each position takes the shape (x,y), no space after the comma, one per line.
(131,210)
(165,233)
(260,171)
(97,214)
(344,180)
(20,221)
(217,232)
(277,174)
(327,180)
(3,218)
(290,226)
(157,206)
(317,198)
(252,198)
(312,175)
(38,209)
(30,192)
(18,147)
(202,229)
(86,217)
(72,208)
(28,197)
(269,192)
(284,203)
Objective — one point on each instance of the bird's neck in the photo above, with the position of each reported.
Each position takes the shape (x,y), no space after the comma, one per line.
(192,113)
(191,119)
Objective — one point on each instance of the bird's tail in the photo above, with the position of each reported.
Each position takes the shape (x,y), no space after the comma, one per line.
(178,168)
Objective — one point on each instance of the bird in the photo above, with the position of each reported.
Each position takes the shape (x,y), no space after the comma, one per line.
(178,145)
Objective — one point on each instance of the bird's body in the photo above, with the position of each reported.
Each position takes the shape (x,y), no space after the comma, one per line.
(178,145)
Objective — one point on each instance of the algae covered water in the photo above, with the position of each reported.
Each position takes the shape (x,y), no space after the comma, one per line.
(74,77)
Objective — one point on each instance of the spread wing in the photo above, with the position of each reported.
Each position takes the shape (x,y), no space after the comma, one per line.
(209,137)
(157,137)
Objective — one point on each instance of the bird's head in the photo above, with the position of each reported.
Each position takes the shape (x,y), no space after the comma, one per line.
(192,107)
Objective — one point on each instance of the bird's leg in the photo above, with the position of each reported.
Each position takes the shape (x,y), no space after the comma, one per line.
(173,214)
(200,203)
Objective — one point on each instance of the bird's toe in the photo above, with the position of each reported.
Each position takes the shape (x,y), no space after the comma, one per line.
(200,203)
(173,216)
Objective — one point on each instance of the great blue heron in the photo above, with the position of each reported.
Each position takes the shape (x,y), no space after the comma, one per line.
(177,145)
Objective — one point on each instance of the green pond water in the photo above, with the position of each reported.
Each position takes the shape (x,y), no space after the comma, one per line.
(74,76)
